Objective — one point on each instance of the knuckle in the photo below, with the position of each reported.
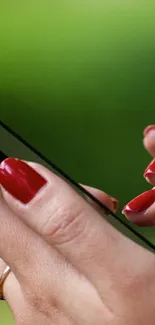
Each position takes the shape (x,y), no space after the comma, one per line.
(35,289)
(37,302)
(64,224)
(40,300)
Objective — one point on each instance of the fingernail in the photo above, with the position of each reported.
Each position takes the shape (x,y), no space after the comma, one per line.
(20,180)
(115,203)
(149,172)
(149,130)
(141,203)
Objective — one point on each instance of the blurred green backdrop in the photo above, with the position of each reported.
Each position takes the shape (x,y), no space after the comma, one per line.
(77,80)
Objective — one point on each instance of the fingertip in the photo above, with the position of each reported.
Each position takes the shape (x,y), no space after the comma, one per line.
(148,129)
(149,173)
(115,204)
(139,219)
(140,210)
(149,140)
(111,202)
(150,178)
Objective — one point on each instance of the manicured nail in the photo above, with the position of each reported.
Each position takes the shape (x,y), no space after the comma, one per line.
(20,180)
(149,129)
(115,203)
(140,204)
(149,172)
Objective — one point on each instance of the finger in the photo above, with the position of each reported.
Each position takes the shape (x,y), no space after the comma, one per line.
(26,311)
(149,173)
(8,279)
(17,241)
(141,210)
(68,223)
(21,248)
(44,278)
(111,202)
(12,291)
(149,139)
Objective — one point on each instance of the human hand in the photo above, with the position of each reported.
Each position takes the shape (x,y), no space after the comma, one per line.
(69,265)
(141,210)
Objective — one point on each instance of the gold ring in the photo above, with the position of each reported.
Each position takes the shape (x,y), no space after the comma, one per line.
(2,279)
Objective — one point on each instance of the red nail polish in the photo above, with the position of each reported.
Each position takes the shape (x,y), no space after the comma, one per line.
(148,129)
(150,170)
(20,180)
(141,203)
(115,203)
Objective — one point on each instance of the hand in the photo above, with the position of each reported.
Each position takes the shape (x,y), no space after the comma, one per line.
(69,266)
(141,210)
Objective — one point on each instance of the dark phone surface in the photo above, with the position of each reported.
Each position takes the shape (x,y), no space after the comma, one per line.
(2,156)
(12,146)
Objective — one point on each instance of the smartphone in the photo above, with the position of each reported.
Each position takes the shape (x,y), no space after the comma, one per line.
(12,145)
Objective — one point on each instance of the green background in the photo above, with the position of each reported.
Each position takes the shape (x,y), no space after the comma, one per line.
(77,80)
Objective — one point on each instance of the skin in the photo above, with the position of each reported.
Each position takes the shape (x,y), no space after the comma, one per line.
(69,266)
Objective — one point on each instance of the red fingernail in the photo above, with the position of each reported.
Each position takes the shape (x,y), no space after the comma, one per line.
(148,129)
(141,203)
(20,180)
(150,170)
(115,203)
